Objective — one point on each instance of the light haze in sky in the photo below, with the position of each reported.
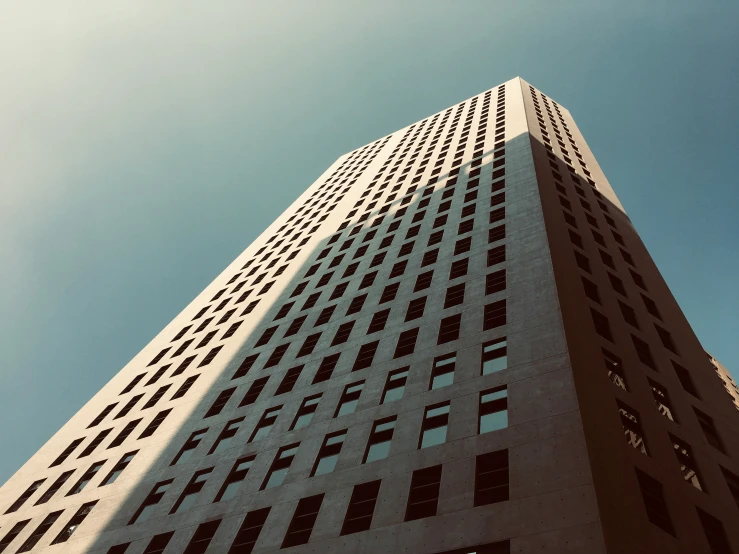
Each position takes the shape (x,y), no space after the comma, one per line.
(144,145)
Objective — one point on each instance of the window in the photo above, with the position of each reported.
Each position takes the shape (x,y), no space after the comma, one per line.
(123,435)
(266,336)
(582,261)
(189,447)
(688,466)
(632,427)
(284,310)
(494,356)
(182,391)
(454,296)
(666,338)
(378,322)
(73,523)
(442,374)
(312,299)
(356,304)
(398,269)
(295,326)
(423,496)
(628,314)
(326,368)
(365,355)
(615,369)
(643,351)
(40,531)
(406,343)
(378,444)
(280,466)
(156,397)
(306,412)
(12,534)
(289,380)
(338,291)
(265,423)
(349,399)
(86,478)
(249,532)
(201,539)
(709,430)
(494,315)
(415,308)
(153,498)
(25,496)
(423,281)
(254,391)
(685,379)
(462,246)
(226,436)
(495,282)
(210,356)
(430,257)
(118,468)
(493,410)
(361,507)
(158,543)
(449,329)
(459,268)
(434,426)
(343,332)
(715,533)
(654,502)
(303,521)
(99,419)
(192,491)
(136,380)
(732,481)
(308,345)
(662,400)
(325,316)
(329,453)
(367,280)
(158,357)
(491,478)
(591,290)
(50,492)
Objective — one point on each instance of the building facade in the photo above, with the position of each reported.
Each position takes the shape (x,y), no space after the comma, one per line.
(453,342)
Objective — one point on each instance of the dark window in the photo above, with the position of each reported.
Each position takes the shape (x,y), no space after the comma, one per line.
(454,296)
(423,281)
(284,310)
(709,430)
(715,533)
(86,478)
(494,315)
(50,492)
(688,466)
(325,316)
(449,328)
(638,280)
(123,435)
(102,415)
(280,466)
(189,447)
(497,215)
(591,290)
(129,406)
(156,397)
(415,308)
(183,366)
(496,255)
(349,399)
(343,332)
(651,306)
(666,339)
(311,301)
(12,534)
(495,282)
(491,478)
(226,436)
(40,531)
(654,502)
(328,455)
(406,343)
(395,385)
(600,322)
(732,481)
(220,402)
(615,369)
(201,539)
(459,268)
(365,355)
(191,491)
(367,280)
(182,391)
(133,383)
(644,352)
(398,269)
(158,543)
(466,226)
(152,499)
(406,249)
(662,400)
(288,381)
(326,368)
(25,496)
(358,302)
(118,468)
(295,326)
(442,374)
(249,531)
(155,423)
(339,291)
(616,284)
(496,233)
(378,444)
(685,379)
(306,412)
(361,507)
(265,424)
(434,426)
(158,357)
(462,246)
(210,356)
(632,427)
(303,521)
(430,257)
(435,238)
(245,366)
(308,345)
(628,314)
(423,497)
(582,261)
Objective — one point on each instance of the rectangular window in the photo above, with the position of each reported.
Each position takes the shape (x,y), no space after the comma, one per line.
(201,539)
(190,494)
(152,499)
(430,257)
(356,304)
(632,427)
(434,426)
(189,447)
(454,296)
(118,468)
(158,543)
(494,315)
(406,343)
(361,507)
(225,437)
(688,465)
(295,326)
(491,478)
(303,521)
(365,355)
(308,345)
(254,391)
(378,322)
(182,391)
(462,246)
(129,406)
(74,523)
(709,430)
(395,385)
(326,368)
(415,308)
(342,333)
(51,491)
(40,531)
(306,412)
(662,399)
(378,444)
(210,356)
(249,531)
(135,381)
(654,502)
(277,355)
(494,356)
(123,435)
(732,481)
(99,419)
(86,478)
(615,369)
(601,324)
(715,533)
(265,423)
(156,397)
(266,336)
(423,497)
(155,423)
(312,299)
(25,496)
(496,233)
(367,280)
(449,329)
(13,533)
(442,374)
(398,269)
(685,379)
(349,399)
(644,352)
(459,268)
(493,410)
(423,281)
(289,380)
(220,402)
(495,282)
(280,465)
(329,453)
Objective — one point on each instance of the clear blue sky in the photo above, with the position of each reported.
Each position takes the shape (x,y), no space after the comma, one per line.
(145,144)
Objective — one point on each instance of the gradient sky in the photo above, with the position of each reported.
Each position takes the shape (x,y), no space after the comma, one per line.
(145,144)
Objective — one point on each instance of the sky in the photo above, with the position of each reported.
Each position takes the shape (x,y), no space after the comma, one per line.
(145,144)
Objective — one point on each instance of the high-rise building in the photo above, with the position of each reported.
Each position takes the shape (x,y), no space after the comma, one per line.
(726,380)
(453,342)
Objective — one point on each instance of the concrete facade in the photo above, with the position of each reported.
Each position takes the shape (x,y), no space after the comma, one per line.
(508,157)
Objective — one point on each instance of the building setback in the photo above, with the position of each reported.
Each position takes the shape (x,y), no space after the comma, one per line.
(453,342)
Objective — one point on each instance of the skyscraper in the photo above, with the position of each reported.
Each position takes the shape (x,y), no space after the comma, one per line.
(454,341)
